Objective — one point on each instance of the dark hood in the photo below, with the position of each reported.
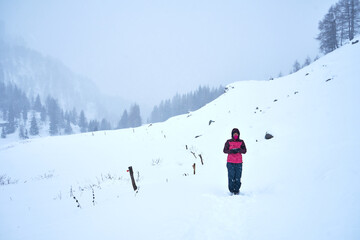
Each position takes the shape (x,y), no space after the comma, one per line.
(235,130)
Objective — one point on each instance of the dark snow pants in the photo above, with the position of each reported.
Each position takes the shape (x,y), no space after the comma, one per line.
(234,175)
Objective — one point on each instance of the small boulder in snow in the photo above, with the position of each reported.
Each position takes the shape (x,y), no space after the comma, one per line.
(268,136)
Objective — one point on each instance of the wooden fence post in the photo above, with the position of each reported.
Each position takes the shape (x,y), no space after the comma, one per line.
(202,162)
(194,165)
(132,178)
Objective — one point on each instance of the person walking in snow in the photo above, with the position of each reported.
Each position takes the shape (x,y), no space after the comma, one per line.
(234,147)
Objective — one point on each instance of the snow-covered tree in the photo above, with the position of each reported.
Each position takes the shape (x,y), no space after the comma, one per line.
(37,105)
(34,129)
(68,128)
(10,127)
(3,133)
(54,112)
(43,114)
(23,134)
(83,122)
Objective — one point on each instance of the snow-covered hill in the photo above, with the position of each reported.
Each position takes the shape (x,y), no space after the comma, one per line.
(301,184)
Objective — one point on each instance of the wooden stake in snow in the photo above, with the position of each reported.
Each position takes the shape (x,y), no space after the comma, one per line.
(202,162)
(132,178)
(194,165)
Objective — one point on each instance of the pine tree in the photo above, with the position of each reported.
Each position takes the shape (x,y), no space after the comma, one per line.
(61,117)
(340,24)
(43,114)
(25,115)
(328,32)
(2,95)
(54,116)
(10,127)
(342,16)
(307,62)
(73,116)
(93,126)
(124,121)
(37,105)
(68,128)
(22,133)
(83,122)
(3,133)
(134,116)
(34,130)
(154,117)
(350,13)
(53,127)
(105,125)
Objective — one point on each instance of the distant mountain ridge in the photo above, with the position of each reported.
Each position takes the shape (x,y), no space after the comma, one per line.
(36,74)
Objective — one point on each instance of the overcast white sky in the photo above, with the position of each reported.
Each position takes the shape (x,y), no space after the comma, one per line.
(146,51)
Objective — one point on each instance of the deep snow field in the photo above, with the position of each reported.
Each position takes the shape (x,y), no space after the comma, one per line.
(301,184)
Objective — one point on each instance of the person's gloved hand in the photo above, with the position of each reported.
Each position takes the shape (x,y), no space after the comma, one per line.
(232,151)
(235,150)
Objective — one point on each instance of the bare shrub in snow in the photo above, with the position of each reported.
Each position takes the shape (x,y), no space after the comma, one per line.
(156,162)
(5,180)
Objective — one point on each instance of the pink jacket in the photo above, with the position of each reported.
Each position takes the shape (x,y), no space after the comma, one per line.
(233,144)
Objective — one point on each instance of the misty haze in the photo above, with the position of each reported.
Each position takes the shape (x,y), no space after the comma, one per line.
(97,97)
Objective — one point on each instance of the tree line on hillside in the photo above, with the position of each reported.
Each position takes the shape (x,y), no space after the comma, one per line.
(181,104)
(131,119)
(297,65)
(340,24)
(28,116)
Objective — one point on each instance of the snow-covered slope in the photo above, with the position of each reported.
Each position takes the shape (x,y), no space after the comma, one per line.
(301,184)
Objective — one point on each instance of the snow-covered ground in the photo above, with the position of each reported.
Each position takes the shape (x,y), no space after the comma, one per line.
(301,184)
